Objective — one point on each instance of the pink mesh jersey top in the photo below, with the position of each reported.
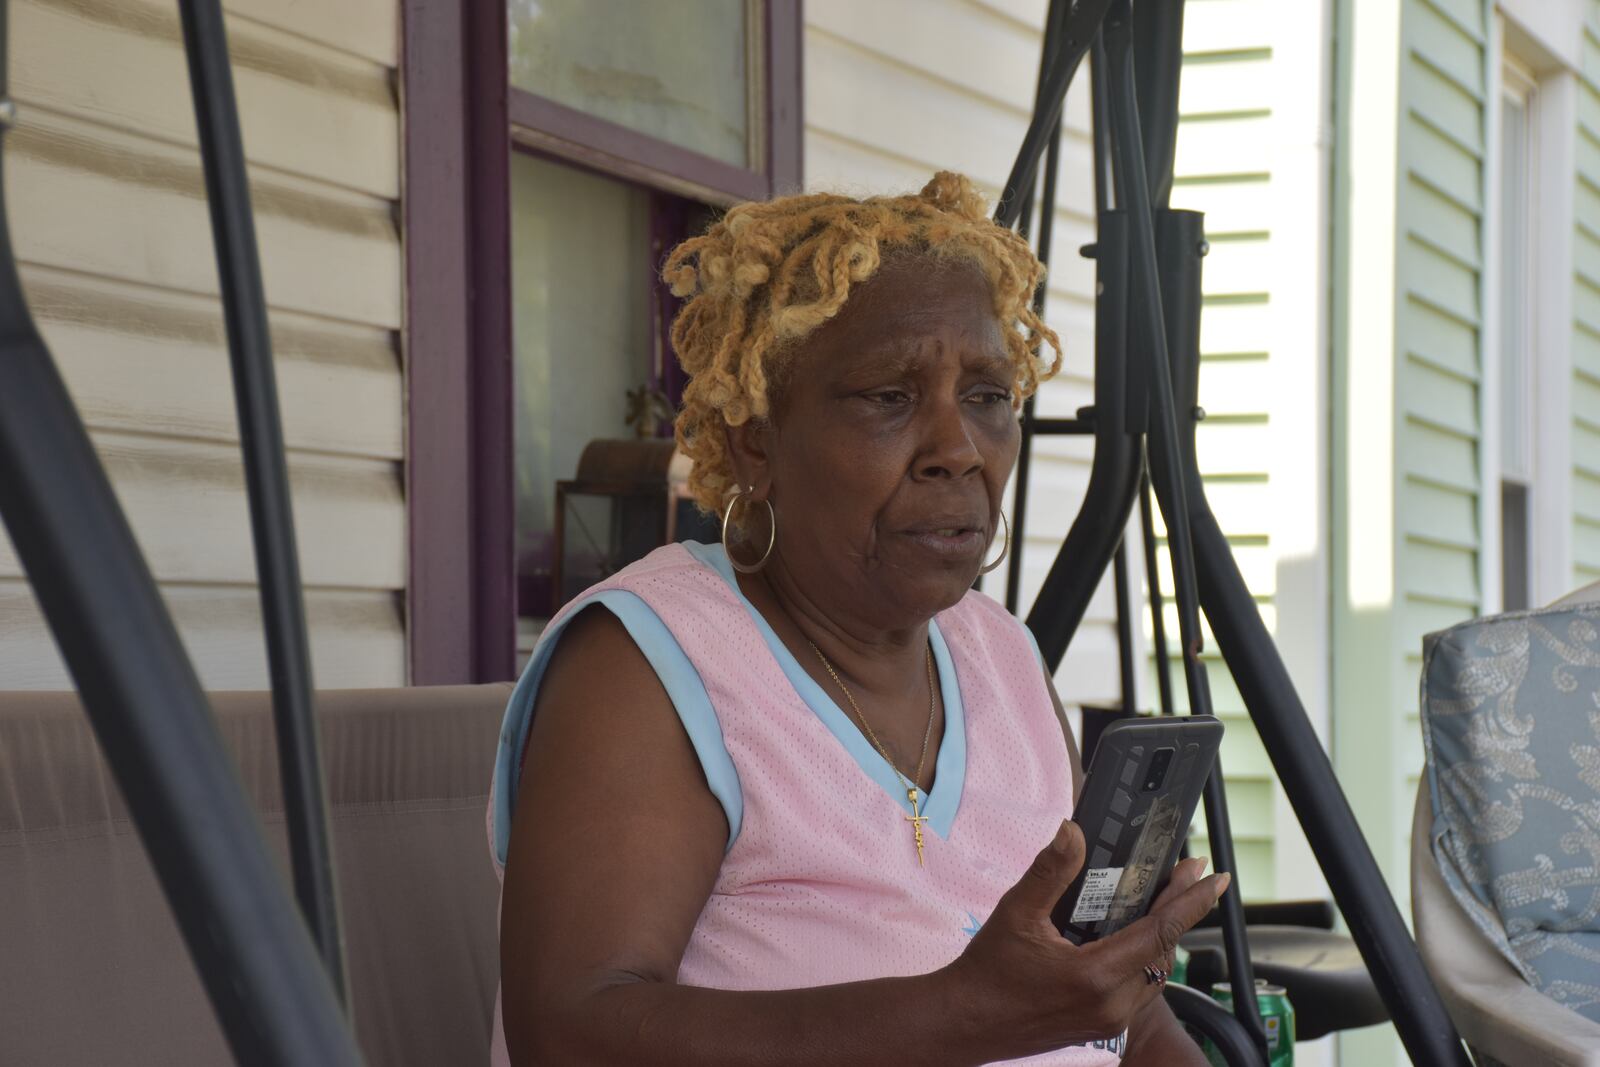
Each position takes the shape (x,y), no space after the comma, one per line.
(820,882)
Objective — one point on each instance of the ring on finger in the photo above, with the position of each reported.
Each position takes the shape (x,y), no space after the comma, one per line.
(1155,975)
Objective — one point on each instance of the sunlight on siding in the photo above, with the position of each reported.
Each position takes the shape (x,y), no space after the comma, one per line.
(114,244)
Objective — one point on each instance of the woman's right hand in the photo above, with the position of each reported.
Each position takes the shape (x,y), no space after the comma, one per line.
(1020,979)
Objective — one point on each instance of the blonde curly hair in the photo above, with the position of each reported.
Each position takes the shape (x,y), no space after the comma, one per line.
(769,273)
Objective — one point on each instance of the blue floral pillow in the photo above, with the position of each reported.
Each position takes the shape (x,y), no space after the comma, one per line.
(1511,723)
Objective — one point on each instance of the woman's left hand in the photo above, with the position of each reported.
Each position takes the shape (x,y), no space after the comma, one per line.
(1155,1037)
(1185,874)
(1020,978)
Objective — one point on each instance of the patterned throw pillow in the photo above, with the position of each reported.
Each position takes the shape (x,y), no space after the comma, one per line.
(1511,723)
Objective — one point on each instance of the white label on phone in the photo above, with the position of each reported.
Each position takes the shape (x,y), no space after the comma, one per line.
(1099,889)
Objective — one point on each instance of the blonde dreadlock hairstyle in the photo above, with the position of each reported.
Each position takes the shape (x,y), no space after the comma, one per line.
(771,272)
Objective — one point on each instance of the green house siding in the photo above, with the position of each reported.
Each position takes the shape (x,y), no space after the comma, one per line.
(1407,373)
(1438,352)
(1586,317)
(1408,359)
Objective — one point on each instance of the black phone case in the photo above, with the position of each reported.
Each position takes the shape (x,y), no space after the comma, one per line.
(1133,832)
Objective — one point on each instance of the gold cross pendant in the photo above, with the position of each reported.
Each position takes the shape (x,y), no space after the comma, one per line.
(916,819)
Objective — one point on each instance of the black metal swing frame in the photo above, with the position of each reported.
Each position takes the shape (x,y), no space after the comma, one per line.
(1147,330)
(275,979)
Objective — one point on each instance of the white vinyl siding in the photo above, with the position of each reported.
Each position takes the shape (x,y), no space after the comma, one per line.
(108,210)
(1586,315)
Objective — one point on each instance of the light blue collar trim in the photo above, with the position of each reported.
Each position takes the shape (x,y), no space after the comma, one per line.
(950,768)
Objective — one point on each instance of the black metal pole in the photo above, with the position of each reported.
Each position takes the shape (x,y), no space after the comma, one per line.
(1055,21)
(255,392)
(1199,1012)
(1092,539)
(1078,33)
(1158,623)
(1016,537)
(1102,201)
(1134,193)
(1124,594)
(1090,543)
(259,967)
(1158,46)
(1100,122)
(1082,427)
(1308,779)
(1019,504)
(1204,565)
(1319,803)
(1019,510)
(1158,608)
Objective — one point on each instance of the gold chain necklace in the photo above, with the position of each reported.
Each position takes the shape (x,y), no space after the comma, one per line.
(916,818)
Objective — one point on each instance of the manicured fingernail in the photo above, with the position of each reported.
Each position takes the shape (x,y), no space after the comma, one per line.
(1223,881)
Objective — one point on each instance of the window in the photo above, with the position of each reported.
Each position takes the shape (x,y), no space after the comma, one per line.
(681,72)
(581,332)
(624,144)
(699,98)
(550,161)
(1517,343)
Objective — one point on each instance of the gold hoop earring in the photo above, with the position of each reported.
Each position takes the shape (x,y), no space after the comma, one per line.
(772,534)
(1001,558)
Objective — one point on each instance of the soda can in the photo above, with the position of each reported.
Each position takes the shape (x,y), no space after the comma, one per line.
(1277,1018)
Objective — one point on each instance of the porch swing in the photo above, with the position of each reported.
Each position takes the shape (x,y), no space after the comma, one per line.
(276,980)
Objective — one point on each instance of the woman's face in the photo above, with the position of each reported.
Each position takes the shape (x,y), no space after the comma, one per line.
(891,442)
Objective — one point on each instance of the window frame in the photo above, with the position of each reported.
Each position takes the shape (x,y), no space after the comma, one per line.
(1520,38)
(546,127)
(1518,84)
(461,120)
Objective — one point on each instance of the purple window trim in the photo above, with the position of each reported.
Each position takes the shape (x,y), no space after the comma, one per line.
(785,97)
(569,134)
(460,617)
(494,451)
(669,224)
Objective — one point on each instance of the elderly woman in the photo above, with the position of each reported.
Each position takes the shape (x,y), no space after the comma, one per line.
(781,800)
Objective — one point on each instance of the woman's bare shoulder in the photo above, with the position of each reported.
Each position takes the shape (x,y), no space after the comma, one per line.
(599,686)
(595,638)
(602,715)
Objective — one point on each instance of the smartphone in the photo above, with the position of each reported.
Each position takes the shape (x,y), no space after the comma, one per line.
(1137,803)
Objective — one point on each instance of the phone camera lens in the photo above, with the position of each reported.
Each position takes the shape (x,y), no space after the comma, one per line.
(1156,774)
